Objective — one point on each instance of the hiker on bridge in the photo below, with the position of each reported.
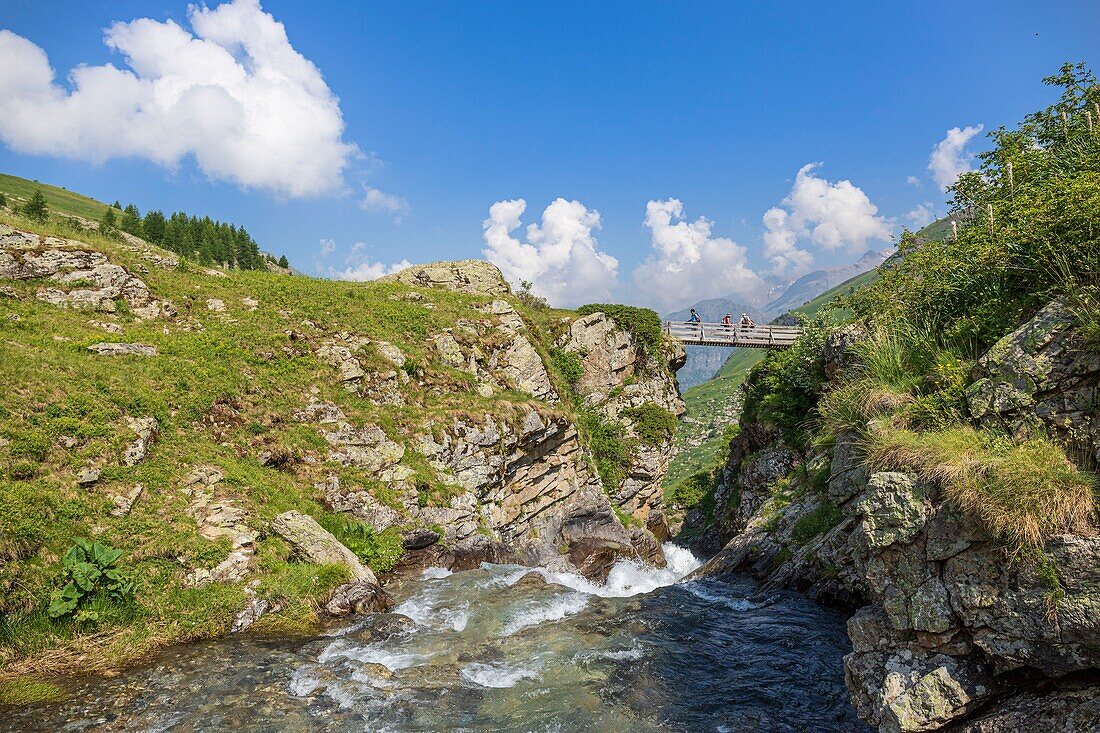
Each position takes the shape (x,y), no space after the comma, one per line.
(747,322)
(695,320)
(727,324)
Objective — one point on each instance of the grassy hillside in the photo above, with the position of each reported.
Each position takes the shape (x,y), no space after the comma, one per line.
(57,199)
(231,369)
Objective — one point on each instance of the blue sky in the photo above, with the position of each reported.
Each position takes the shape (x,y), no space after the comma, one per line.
(454,107)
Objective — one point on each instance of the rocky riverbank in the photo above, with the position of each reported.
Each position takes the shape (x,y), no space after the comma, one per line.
(262,448)
(953,628)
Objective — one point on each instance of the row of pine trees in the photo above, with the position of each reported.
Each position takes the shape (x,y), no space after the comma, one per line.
(203,239)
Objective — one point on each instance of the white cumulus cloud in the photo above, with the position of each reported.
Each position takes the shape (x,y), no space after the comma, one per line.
(560,257)
(922,215)
(828,215)
(232,92)
(359,267)
(688,263)
(381,202)
(949,158)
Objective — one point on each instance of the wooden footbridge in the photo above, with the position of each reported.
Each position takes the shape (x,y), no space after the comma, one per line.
(719,334)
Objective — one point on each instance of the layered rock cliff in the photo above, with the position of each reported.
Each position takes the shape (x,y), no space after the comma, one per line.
(954,629)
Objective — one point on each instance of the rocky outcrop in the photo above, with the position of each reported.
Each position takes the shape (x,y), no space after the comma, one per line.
(1039,377)
(618,378)
(527,483)
(117,349)
(85,279)
(477,277)
(953,631)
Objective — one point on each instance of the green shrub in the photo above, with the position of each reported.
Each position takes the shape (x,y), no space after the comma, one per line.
(379,550)
(783,389)
(696,492)
(610,452)
(653,423)
(815,523)
(32,445)
(90,570)
(643,324)
(568,365)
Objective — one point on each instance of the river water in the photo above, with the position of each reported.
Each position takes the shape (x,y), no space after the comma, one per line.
(501,648)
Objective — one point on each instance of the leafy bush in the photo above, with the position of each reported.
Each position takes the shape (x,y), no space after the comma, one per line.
(696,491)
(643,324)
(1021,491)
(815,523)
(610,452)
(783,388)
(653,423)
(1001,268)
(379,550)
(568,365)
(90,570)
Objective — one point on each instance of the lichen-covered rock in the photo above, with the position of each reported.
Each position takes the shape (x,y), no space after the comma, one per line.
(146,429)
(360,596)
(359,503)
(1074,708)
(369,448)
(87,279)
(478,277)
(1039,376)
(317,545)
(124,503)
(894,509)
(837,351)
(520,365)
(116,349)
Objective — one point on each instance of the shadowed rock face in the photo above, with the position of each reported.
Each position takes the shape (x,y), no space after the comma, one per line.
(952,632)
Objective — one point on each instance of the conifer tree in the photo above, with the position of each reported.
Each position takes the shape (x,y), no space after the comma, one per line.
(3,200)
(153,227)
(36,207)
(284,263)
(108,222)
(131,221)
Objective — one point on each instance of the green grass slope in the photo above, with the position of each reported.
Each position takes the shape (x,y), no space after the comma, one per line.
(58,199)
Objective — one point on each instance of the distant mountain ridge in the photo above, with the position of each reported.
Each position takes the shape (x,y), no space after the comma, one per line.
(813,284)
(703,362)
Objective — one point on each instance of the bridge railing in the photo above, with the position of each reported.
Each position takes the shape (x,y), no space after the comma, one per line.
(720,334)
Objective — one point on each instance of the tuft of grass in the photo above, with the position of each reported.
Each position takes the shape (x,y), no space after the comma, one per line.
(1022,492)
(28,691)
(815,523)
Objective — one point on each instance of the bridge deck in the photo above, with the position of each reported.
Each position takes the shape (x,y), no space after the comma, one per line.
(718,334)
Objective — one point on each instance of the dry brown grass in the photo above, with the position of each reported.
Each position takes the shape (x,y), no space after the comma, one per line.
(1021,491)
